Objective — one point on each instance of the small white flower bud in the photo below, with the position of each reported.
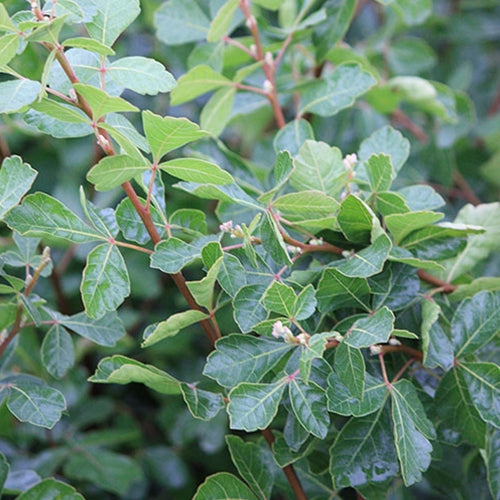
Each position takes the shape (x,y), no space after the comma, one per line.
(393,341)
(268,59)
(316,241)
(303,338)
(350,161)
(253,50)
(72,94)
(268,86)
(226,226)
(251,23)
(293,249)
(282,332)
(375,349)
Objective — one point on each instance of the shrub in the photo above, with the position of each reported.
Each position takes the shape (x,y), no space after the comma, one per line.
(292,268)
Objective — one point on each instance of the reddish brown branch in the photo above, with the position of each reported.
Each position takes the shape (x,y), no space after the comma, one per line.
(402,119)
(414,353)
(446,287)
(466,190)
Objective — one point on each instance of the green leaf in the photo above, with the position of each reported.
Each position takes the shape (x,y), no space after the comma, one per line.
(142,75)
(364,452)
(379,169)
(217,112)
(339,16)
(401,225)
(309,204)
(89,44)
(349,364)
(196,170)
(492,459)
(105,281)
(368,261)
(223,486)
(112,171)
(370,330)
(272,240)
(58,353)
(168,133)
(181,21)
(61,112)
(253,406)
(106,469)
(111,18)
(248,308)
(457,410)
(4,470)
(421,198)
(16,178)
(479,246)
(413,11)
(131,224)
(203,405)
(254,465)
(8,48)
(31,400)
(388,141)
(243,358)
(15,94)
(270,4)
(483,382)
(309,406)
(318,167)
(280,298)
(314,349)
(387,203)
(222,21)
(102,103)
(50,488)
(232,275)
(327,96)
(122,370)
(44,216)
(305,303)
(47,30)
(436,346)
(105,331)
(203,290)
(292,136)
(197,81)
(411,429)
(341,401)
(356,220)
(475,322)
(336,291)
(5,22)
(171,255)
(172,326)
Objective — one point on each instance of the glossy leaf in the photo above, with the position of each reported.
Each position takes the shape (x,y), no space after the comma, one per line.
(15,94)
(112,171)
(105,331)
(411,430)
(380,172)
(30,400)
(272,240)
(309,404)
(142,75)
(292,136)
(122,370)
(475,322)
(483,382)
(400,225)
(254,465)
(248,307)
(371,330)
(57,351)
(492,460)
(168,133)
(196,170)
(279,298)
(105,281)
(306,203)
(356,220)
(350,366)
(106,28)
(198,81)
(318,167)
(238,358)
(172,326)
(364,452)
(50,488)
(41,215)
(181,21)
(341,401)
(8,47)
(253,406)
(16,178)
(202,404)
(223,486)
(339,90)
